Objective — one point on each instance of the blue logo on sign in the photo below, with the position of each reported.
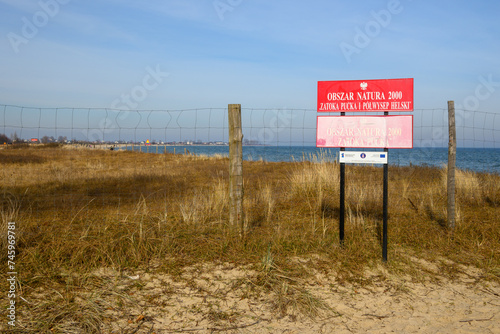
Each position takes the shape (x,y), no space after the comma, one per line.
(382,155)
(342,155)
(363,155)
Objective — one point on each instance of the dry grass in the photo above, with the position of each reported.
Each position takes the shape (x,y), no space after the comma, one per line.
(77,211)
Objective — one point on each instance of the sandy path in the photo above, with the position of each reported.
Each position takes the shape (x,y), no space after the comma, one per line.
(220,299)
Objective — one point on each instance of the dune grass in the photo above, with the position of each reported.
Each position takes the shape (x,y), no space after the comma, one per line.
(77,211)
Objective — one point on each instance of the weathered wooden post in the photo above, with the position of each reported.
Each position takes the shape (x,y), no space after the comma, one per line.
(235,168)
(452,154)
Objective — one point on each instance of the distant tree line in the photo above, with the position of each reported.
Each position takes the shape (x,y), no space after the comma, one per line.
(51,139)
(14,138)
(4,139)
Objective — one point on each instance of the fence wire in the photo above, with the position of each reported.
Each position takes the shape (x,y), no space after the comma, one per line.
(272,126)
(274,134)
(280,128)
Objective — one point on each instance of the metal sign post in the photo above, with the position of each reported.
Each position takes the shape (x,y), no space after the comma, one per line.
(385,207)
(342,197)
(365,131)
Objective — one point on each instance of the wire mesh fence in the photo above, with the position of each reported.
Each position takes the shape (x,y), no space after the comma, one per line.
(282,134)
(77,180)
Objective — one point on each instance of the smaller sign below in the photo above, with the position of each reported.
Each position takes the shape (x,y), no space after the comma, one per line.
(365,131)
(357,157)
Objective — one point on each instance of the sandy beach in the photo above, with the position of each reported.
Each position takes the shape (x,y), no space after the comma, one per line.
(216,298)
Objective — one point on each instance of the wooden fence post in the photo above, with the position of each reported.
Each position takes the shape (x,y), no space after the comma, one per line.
(452,154)
(235,168)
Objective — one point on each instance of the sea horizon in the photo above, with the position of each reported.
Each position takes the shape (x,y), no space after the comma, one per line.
(467,158)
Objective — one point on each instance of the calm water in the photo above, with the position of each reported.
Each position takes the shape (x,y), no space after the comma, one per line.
(481,160)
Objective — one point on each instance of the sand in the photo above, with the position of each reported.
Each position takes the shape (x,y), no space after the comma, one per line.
(220,298)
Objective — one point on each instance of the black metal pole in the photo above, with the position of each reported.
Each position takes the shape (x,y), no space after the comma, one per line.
(342,201)
(384,233)
(342,197)
(385,205)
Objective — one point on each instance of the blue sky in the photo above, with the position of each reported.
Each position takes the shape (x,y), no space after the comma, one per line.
(262,54)
(257,53)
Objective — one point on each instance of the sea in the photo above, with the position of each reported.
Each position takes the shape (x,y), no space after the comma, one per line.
(473,159)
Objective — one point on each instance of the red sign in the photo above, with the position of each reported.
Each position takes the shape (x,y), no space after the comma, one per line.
(365,95)
(365,131)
